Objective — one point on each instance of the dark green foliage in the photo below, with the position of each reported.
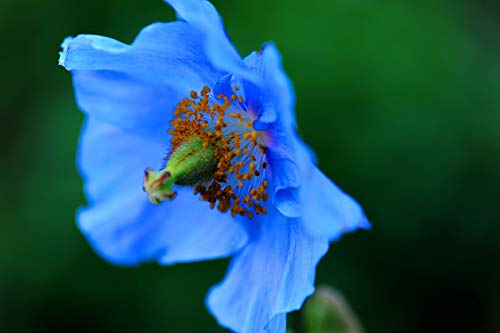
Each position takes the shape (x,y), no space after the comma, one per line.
(399,99)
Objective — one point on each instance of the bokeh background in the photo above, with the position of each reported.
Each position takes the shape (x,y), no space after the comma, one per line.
(399,98)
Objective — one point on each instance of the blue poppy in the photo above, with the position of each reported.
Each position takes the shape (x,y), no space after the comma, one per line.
(180,100)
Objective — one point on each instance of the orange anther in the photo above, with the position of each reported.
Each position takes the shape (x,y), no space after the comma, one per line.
(191,120)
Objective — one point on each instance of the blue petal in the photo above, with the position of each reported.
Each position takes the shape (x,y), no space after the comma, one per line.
(271,276)
(120,99)
(195,232)
(112,161)
(285,176)
(277,324)
(278,88)
(326,210)
(202,15)
(137,86)
(223,87)
(287,201)
(300,189)
(123,226)
(274,101)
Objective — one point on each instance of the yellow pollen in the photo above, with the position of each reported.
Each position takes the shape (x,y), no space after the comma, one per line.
(235,150)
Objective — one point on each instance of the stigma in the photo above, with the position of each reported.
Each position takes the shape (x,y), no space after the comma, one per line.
(216,151)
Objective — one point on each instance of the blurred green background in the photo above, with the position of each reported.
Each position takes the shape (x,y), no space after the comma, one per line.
(401,102)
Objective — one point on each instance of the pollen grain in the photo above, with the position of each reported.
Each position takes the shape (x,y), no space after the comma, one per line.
(236,151)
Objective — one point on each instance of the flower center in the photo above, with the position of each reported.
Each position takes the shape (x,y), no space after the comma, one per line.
(215,150)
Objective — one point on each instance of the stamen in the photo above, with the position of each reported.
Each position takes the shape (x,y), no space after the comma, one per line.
(240,155)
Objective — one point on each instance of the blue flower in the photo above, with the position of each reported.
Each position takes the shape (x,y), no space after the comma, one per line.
(180,100)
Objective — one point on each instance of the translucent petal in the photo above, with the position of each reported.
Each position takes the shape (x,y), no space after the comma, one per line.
(277,324)
(204,17)
(273,102)
(123,226)
(271,276)
(137,86)
(326,210)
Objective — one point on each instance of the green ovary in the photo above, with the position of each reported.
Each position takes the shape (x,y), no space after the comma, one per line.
(189,164)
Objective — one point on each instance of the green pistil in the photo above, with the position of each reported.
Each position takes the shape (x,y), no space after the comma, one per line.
(190,164)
